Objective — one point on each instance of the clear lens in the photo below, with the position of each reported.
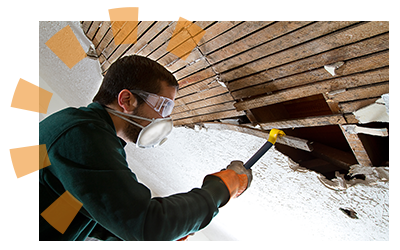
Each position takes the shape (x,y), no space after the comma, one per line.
(169,106)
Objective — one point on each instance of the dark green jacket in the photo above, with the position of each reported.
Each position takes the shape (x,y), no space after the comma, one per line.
(88,160)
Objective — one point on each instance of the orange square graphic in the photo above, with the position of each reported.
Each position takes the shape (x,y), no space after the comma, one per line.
(27,160)
(67,47)
(185,38)
(62,212)
(30,97)
(124,35)
(124,26)
(124,14)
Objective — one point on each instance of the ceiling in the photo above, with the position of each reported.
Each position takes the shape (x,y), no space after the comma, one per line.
(263,75)
(256,61)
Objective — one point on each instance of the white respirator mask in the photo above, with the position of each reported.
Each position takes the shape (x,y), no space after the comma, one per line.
(152,135)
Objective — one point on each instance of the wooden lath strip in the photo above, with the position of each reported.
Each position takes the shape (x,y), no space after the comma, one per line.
(357,147)
(204,110)
(86,26)
(197,87)
(359,79)
(306,122)
(198,65)
(93,29)
(350,107)
(209,117)
(203,103)
(219,90)
(217,97)
(286,140)
(197,77)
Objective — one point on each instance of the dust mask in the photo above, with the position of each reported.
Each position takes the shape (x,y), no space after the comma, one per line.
(153,134)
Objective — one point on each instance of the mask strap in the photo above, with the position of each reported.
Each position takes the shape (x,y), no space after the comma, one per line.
(121,115)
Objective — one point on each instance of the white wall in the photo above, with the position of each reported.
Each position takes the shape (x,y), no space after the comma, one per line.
(76,86)
(56,102)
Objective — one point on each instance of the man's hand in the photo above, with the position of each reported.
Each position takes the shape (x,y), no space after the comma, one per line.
(236,178)
(238,167)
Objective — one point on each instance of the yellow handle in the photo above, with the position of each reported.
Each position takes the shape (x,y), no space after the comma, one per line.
(273,135)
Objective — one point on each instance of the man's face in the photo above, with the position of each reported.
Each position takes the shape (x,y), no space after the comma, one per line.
(132,131)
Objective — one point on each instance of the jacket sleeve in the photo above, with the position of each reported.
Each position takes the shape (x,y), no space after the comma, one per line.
(89,161)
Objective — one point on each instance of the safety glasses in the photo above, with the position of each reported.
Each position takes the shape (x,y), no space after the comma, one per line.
(160,104)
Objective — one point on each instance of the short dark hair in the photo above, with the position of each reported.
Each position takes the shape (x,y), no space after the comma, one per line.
(133,73)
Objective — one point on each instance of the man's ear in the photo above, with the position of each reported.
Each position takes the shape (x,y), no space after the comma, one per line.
(127,101)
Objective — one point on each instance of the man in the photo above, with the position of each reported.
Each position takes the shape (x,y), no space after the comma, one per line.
(86,150)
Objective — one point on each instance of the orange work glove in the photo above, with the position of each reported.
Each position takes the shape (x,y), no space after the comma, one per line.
(236,178)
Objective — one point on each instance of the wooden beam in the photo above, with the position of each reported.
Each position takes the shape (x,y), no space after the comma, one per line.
(208,117)
(334,156)
(350,107)
(357,147)
(306,122)
(285,140)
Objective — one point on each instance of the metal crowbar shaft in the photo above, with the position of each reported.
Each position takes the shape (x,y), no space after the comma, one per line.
(273,135)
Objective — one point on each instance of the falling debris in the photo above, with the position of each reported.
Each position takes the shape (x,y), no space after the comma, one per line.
(220,82)
(385,98)
(349,212)
(92,52)
(332,67)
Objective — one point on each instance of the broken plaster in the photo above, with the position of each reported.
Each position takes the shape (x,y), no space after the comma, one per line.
(376,112)
(331,68)
(373,175)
